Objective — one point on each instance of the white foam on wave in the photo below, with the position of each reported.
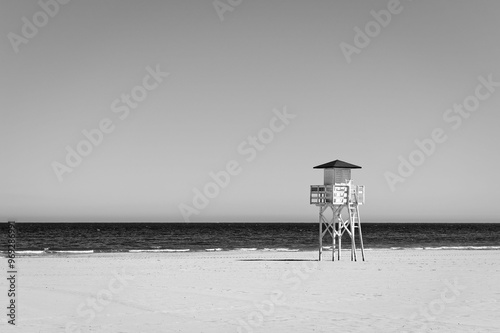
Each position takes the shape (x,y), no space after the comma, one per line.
(213,250)
(246,249)
(463,248)
(446,248)
(485,247)
(280,249)
(72,252)
(160,250)
(29,252)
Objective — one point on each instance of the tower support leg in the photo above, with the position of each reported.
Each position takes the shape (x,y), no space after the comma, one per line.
(333,241)
(361,242)
(353,242)
(340,236)
(320,233)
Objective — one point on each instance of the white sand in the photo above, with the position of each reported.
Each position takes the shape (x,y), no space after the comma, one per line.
(393,291)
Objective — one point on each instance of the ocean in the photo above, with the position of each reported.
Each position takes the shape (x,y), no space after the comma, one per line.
(41,238)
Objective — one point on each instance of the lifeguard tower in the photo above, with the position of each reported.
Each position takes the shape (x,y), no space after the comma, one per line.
(339,195)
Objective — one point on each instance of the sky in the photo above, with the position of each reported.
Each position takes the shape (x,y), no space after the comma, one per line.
(217,111)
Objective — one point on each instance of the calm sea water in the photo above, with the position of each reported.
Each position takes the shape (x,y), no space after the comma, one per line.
(166,237)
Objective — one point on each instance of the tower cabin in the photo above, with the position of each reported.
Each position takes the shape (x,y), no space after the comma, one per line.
(343,198)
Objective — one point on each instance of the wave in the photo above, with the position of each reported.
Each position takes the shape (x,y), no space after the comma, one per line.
(470,247)
(29,252)
(72,251)
(52,251)
(160,250)
(463,248)
(247,249)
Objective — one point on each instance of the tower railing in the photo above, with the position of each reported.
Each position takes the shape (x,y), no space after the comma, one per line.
(336,194)
(357,194)
(321,194)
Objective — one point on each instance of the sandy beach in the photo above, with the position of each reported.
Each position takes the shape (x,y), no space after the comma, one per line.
(256,291)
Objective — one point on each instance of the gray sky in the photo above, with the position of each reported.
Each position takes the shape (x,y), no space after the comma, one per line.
(226,77)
